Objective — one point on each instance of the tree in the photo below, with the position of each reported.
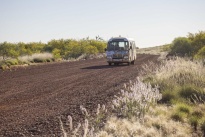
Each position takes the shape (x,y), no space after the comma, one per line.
(22,49)
(91,50)
(8,50)
(181,46)
(197,40)
(100,45)
(56,53)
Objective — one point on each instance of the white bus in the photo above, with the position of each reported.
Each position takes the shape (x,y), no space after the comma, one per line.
(121,50)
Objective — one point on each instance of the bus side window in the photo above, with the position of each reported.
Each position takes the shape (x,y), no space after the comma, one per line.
(134,44)
(130,45)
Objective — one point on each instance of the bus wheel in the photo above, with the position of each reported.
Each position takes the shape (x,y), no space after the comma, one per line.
(109,64)
(128,63)
(133,62)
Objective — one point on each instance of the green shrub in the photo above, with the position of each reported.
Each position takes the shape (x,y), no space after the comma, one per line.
(200,54)
(21,62)
(166,47)
(197,113)
(197,40)
(91,50)
(168,96)
(192,93)
(178,116)
(56,53)
(181,46)
(11,62)
(185,108)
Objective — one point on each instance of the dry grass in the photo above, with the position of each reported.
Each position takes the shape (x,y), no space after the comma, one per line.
(181,71)
(158,50)
(25,60)
(1,58)
(151,50)
(42,56)
(157,124)
(182,84)
(136,99)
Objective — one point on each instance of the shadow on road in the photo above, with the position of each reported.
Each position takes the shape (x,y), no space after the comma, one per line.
(104,66)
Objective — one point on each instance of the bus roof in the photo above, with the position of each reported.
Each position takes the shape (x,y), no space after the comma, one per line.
(119,38)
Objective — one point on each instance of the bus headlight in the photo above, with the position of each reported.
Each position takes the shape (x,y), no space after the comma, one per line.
(109,57)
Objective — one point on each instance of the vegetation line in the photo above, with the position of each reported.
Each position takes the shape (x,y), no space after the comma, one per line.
(55,50)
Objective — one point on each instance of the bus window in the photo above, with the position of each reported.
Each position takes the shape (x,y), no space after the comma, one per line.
(118,45)
(130,45)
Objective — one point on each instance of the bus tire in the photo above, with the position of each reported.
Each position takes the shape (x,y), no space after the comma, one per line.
(133,62)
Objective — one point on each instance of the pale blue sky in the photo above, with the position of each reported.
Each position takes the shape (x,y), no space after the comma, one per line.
(149,22)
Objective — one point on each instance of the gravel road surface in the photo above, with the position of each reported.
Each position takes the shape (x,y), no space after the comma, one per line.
(32,98)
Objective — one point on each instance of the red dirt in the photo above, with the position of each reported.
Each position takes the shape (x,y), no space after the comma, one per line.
(32,98)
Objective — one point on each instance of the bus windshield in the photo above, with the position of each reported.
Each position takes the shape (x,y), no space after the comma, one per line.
(118,45)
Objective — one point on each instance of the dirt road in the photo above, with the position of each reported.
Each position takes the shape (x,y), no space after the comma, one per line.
(32,98)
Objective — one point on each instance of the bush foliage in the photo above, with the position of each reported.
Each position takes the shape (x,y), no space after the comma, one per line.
(57,50)
(192,46)
(182,84)
(63,48)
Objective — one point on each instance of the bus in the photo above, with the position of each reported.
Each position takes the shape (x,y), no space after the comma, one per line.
(121,50)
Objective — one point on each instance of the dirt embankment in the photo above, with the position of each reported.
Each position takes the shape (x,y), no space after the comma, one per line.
(32,98)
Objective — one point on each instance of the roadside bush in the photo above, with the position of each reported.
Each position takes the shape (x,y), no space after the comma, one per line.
(56,53)
(189,46)
(192,93)
(91,50)
(8,50)
(198,113)
(62,48)
(136,100)
(181,112)
(11,62)
(185,108)
(181,46)
(197,41)
(166,47)
(179,72)
(200,54)
(168,96)
(182,84)
(5,64)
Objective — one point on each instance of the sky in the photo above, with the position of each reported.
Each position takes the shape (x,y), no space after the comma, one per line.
(149,22)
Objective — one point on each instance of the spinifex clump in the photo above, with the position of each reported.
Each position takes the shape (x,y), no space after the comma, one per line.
(136,100)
